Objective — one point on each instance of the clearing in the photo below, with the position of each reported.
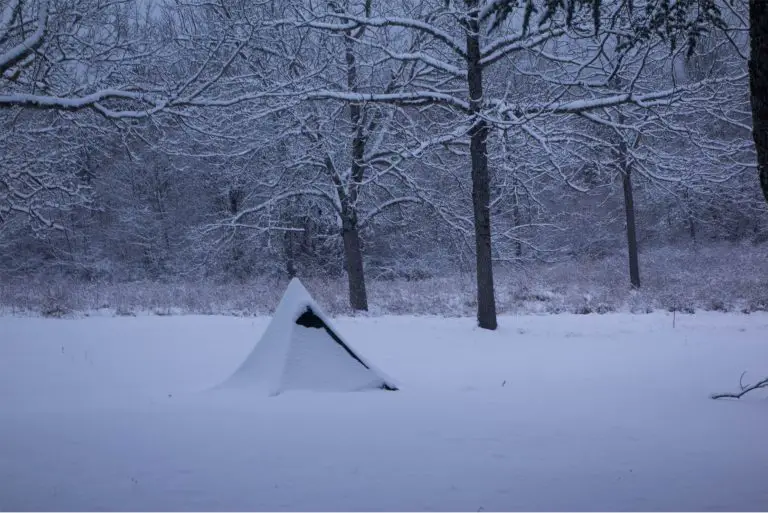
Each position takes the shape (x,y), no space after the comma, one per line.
(574,412)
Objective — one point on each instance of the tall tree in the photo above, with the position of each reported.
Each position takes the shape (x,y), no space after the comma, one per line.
(459,42)
(758,84)
(686,20)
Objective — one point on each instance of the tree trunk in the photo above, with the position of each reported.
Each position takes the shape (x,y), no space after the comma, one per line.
(692,229)
(758,83)
(518,221)
(235,266)
(290,254)
(629,207)
(358,299)
(353,255)
(481,183)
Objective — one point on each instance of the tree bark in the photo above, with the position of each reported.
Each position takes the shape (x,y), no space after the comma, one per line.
(629,207)
(353,255)
(481,183)
(358,298)
(691,222)
(758,83)
(290,254)
(629,210)
(518,221)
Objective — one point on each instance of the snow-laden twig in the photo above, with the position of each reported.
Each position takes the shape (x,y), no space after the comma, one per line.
(745,389)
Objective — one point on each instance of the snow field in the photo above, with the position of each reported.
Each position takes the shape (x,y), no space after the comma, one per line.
(576,412)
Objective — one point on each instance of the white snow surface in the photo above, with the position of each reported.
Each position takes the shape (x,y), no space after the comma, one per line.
(293,357)
(563,412)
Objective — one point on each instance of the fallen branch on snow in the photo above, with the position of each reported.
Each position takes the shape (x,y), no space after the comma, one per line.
(744,388)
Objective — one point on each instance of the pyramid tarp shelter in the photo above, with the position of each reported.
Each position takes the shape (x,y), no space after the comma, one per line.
(300,350)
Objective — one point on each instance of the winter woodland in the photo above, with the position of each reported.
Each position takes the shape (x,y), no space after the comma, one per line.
(468,158)
(504,153)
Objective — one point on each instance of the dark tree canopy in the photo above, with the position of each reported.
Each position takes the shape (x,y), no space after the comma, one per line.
(671,21)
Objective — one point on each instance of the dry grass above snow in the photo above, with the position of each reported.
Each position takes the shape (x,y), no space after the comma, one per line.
(721,278)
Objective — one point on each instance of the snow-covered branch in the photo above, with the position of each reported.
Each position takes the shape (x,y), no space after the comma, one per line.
(29,44)
(404,98)
(743,389)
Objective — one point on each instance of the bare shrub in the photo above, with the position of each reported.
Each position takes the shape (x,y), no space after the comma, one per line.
(722,278)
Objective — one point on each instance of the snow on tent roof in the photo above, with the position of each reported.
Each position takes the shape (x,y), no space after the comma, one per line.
(300,350)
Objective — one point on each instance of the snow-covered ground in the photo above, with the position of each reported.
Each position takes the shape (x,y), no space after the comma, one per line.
(575,412)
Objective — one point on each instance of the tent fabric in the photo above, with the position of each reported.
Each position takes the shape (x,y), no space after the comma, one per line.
(300,350)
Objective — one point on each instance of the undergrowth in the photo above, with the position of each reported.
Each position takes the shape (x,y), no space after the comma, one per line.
(723,278)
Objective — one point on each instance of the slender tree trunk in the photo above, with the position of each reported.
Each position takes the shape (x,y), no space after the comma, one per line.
(481,183)
(690,219)
(358,298)
(758,83)
(692,229)
(235,268)
(290,254)
(518,221)
(629,207)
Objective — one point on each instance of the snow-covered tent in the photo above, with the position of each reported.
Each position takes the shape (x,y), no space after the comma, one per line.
(300,350)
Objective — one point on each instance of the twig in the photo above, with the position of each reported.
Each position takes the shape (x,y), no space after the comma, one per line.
(744,388)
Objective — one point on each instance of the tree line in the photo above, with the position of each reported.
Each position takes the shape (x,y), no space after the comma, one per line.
(225,138)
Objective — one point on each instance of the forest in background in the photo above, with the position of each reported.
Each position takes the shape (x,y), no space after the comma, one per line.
(195,155)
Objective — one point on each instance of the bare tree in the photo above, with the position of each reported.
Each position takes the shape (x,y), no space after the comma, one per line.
(460,43)
(758,83)
(238,139)
(76,55)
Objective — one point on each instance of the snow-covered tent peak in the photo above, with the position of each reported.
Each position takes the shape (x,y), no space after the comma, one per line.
(295,301)
(300,350)
(296,296)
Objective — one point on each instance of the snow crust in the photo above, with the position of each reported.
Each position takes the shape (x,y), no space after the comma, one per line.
(561,412)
